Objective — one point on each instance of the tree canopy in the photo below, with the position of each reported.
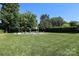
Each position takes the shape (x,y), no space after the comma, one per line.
(9,15)
(14,21)
(44,21)
(27,21)
(57,21)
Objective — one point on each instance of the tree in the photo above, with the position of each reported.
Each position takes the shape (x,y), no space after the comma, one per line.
(23,22)
(44,21)
(9,13)
(27,21)
(73,23)
(31,23)
(57,21)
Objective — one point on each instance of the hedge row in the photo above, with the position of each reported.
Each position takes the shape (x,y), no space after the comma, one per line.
(57,29)
(61,30)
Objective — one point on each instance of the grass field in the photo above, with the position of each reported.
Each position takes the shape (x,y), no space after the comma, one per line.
(49,44)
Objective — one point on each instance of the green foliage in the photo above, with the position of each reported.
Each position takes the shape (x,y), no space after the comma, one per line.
(74,23)
(27,20)
(45,22)
(22,22)
(13,20)
(61,30)
(57,21)
(9,14)
(31,23)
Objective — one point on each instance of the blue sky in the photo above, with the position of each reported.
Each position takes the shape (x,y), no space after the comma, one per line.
(68,11)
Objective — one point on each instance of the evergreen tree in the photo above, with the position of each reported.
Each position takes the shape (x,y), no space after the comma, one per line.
(9,14)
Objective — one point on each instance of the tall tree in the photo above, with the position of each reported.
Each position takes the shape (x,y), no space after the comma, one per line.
(31,20)
(44,21)
(27,21)
(9,14)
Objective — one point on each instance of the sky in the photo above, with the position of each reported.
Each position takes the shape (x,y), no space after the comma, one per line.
(68,11)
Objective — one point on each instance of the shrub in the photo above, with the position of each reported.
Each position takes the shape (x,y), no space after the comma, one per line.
(62,30)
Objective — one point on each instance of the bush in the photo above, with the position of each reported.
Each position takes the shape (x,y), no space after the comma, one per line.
(62,30)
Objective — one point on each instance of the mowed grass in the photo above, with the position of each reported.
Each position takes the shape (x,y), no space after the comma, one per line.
(49,44)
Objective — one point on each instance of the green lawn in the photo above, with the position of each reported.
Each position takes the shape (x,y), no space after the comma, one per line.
(39,44)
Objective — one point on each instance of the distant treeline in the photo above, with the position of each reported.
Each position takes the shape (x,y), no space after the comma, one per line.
(13,21)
